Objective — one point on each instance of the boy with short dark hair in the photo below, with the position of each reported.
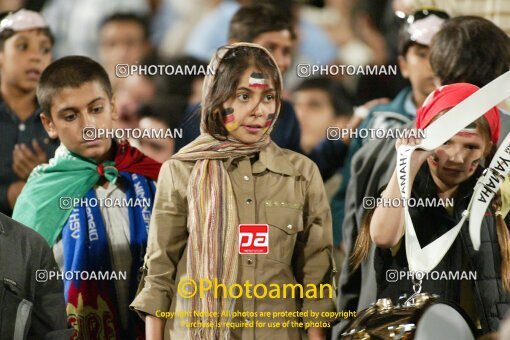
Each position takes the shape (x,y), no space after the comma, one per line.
(453,62)
(58,200)
(25,51)
(320,103)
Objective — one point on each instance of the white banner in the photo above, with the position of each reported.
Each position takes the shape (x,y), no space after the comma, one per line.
(438,132)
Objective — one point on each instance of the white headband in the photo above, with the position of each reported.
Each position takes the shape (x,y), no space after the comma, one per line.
(422,31)
(22,20)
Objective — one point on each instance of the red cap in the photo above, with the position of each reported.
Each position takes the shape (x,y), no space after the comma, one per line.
(448,96)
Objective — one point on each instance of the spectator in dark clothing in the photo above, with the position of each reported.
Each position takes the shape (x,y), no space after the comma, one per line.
(32,303)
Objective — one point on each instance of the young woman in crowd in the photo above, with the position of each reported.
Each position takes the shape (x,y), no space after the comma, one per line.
(234,174)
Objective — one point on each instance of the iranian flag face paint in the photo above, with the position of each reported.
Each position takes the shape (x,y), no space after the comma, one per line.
(229,120)
(468,132)
(258,80)
(270,118)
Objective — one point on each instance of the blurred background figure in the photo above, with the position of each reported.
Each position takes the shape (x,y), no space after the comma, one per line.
(123,39)
(497,11)
(76,23)
(185,85)
(160,115)
(320,103)
(185,16)
(337,20)
(134,91)
(10,5)
(313,44)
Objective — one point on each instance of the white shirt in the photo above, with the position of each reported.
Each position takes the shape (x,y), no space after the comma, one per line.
(116,222)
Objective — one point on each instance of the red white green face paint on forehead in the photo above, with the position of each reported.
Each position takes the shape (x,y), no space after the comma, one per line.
(469,131)
(258,80)
(229,119)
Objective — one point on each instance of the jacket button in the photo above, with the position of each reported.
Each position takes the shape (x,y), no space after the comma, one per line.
(289,226)
(249,201)
(246,178)
(249,261)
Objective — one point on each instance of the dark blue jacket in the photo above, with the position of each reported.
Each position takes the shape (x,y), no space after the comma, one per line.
(32,305)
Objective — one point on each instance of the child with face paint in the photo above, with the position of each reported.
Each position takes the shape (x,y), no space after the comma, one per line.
(448,172)
(234,174)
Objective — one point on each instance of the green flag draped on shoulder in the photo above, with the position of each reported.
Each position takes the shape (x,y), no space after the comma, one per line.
(67,176)
(46,201)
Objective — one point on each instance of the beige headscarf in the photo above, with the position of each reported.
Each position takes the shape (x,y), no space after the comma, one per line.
(212,218)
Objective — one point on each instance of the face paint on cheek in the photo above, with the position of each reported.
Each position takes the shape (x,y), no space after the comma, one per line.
(473,165)
(229,119)
(434,160)
(258,80)
(270,118)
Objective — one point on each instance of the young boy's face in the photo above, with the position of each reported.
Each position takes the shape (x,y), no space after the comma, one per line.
(24,57)
(415,66)
(159,149)
(315,114)
(252,108)
(279,43)
(73,109)
(121,42)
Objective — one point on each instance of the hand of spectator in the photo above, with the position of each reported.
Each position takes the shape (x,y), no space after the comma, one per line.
(419,156)
(361,112)
(24,159)
(13,192)
(374,102)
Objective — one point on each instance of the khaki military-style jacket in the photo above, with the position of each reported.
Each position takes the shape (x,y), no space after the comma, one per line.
(280,188)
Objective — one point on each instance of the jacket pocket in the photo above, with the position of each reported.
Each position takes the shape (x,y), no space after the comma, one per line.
(15,311)
(285,221)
